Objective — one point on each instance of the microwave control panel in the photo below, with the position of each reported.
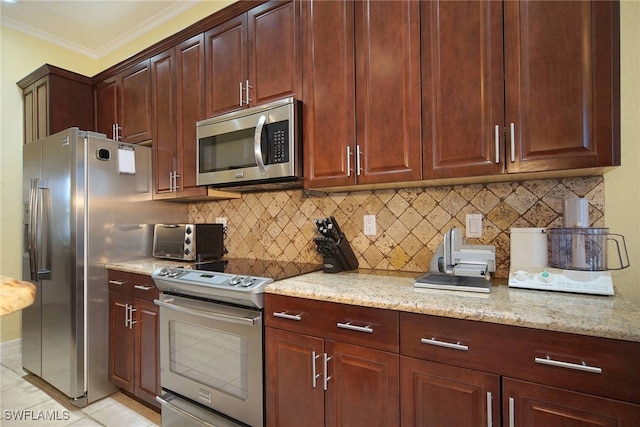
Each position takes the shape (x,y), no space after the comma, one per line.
(278,137)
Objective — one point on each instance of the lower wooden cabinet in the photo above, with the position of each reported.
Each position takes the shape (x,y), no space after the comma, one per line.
(434,394)
(312,380)
(529,404)
(134,363)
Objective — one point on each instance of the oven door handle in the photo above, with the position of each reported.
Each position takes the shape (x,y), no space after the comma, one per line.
(208,315)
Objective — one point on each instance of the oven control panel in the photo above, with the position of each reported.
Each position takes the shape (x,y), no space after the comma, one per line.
(211,285)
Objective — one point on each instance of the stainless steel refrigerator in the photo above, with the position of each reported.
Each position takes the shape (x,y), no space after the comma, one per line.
(87,202)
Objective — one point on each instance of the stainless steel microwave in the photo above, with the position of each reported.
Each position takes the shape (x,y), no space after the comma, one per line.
(255,145)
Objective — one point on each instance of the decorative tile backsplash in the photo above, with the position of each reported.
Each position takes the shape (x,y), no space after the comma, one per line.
(411,222)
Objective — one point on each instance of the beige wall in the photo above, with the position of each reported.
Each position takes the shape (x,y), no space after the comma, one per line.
(21,54)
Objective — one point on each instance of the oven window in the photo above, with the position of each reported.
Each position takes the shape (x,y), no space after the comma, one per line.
(214,358)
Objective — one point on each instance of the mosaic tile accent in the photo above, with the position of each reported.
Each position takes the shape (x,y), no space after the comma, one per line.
(411,222)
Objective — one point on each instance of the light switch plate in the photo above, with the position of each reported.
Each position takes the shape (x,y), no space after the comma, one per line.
(474,225)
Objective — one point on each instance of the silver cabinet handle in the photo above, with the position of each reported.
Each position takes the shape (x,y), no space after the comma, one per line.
(454,346)
(285,315)
(325,366)
(358,154)
(257,144)
(117,282)
(241,101)
(131,321)
(368,329)
(579,367)
(176,175)
(513,142)
(143,288)
(248,100)
(171,190)
(489,411)
(512,412)
(497,138)
(314,373)
(348,160)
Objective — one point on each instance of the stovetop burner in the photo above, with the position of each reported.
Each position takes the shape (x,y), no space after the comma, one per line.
(237,281)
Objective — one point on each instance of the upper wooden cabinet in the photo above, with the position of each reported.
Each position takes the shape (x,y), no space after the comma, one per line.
(177,83)
(53,100)
(362,92)
(559,106)
(254,58)
(123,104)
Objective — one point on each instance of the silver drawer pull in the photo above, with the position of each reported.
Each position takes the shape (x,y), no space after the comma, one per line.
(117,282)
(368,329)
(577,366)
(143,288)
(434,341)
(285,315)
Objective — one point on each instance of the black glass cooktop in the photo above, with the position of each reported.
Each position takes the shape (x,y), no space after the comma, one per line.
(276,270)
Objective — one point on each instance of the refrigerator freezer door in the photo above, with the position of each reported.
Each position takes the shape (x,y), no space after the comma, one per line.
(31,319)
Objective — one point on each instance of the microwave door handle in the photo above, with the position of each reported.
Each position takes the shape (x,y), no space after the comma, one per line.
(257,146)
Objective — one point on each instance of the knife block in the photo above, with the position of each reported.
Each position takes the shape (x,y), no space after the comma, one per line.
(343,259)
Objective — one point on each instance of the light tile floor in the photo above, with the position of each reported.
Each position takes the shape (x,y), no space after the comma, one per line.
(38,404)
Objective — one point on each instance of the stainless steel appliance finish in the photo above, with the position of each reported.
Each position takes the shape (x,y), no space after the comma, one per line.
(255,145)
(189,242)
(211,353)
(87,202)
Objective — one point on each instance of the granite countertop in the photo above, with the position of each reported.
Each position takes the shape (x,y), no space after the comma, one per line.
(15,295)
(600,316)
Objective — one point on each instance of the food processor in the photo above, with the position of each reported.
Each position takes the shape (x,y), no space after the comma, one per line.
(579,255)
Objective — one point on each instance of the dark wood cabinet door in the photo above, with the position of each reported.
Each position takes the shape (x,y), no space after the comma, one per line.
(190,108)
(29,114)
(529,404)
(275,60)
(462,89)
(226,56)
(562,84)
(147,357)
(292,398)
(106,105)
(363,389)
(135,103)
(36,110)
(329,90)
(387,53)
(434,394)
(121,343)
(164,127)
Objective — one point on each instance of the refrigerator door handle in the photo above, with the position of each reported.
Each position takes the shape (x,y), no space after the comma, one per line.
(43,272)
(31,231)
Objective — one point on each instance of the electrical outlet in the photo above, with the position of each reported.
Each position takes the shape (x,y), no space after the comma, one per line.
(221,220)
(369,225)
(474,226)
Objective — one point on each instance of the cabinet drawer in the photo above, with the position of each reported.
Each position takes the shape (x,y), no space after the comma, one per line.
(365,326)
(457,342)
(144,287)
(599,366)
(120,282)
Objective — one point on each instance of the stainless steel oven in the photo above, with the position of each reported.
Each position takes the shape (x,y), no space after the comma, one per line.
(212,354)
(212,340)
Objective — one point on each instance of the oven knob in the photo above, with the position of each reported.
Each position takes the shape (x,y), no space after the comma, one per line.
(187,230)
(187,251)
(187,241)
(164,271)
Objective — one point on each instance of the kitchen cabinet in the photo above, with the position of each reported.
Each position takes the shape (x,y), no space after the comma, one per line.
(54,100)
(177,85)
(547,377)
(123,104)
(362,92)
(254,58)
(330,364)
(134,363)
(545,99)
